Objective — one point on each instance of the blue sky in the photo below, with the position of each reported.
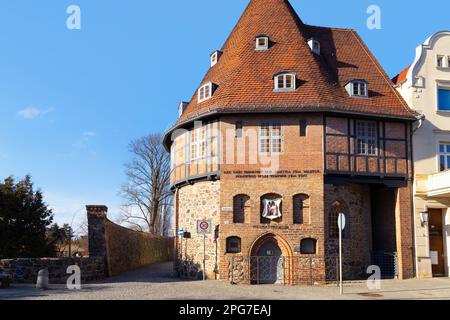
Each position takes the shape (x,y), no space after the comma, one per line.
(71,100)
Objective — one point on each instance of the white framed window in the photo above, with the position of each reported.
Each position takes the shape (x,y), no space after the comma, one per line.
(358,88)
(440,61)
(285,82)
(215,56)
(271,138)
(367,138)
(444,156)
(205,92)
(198,143)
(262,43)
(314,44)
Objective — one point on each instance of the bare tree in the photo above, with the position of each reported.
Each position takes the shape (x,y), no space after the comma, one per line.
(167,220)
(147,190)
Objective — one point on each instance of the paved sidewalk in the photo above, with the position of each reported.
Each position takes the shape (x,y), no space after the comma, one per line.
(156,283)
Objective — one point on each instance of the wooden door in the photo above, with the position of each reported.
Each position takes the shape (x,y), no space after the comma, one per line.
(436,242)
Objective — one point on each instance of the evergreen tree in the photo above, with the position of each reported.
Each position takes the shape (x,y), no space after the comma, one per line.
(24,219)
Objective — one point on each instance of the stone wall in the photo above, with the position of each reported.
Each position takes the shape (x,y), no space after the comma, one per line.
(199,201)
(26,270)
(357,242)
(124,249)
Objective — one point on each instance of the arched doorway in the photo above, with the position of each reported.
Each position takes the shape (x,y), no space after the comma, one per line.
(270,260)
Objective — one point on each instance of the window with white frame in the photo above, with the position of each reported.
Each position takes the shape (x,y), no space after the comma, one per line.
(444,156)
(358,88)
(262,43)
(367,138)
(198,143)
(205,92)
(271,140)
(215,57)
(285,82)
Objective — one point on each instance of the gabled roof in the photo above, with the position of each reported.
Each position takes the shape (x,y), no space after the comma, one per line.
(398,79)
(244,76)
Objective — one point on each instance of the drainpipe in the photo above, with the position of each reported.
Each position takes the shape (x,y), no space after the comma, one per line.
(420,121)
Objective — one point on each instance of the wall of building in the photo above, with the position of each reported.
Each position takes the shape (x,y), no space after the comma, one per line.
(26,270)
(297,170)
(357,244)
(194,202)
(422,97)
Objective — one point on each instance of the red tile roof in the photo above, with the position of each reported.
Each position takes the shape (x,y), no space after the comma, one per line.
(401,76)
(244,76)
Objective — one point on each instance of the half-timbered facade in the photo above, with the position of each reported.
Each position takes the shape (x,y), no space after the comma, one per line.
(292,125)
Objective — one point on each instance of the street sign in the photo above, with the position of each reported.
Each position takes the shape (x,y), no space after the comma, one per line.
(180,232)
(204,226)
(341,226)
(341,221)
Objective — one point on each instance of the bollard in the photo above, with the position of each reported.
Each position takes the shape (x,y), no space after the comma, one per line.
(42,280)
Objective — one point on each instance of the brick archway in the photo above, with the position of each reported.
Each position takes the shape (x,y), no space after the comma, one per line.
(286,252)
(284,246)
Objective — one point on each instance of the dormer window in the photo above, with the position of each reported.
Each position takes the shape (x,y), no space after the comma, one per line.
(262,43)
(314,44)
(215,56)
(181,107)
(285,82)
(205,92)
(358,88)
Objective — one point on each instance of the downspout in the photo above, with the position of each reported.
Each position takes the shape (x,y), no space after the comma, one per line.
(419,122)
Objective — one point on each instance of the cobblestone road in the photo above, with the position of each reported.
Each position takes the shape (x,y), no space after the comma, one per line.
(156,283)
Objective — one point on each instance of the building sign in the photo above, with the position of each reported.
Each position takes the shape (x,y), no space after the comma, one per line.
(264,174)
(272,209)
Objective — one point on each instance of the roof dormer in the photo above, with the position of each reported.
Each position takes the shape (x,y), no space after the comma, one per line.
(181,107)
(314,45)
(215,56)
(358,88)
(262,42)
(206,92)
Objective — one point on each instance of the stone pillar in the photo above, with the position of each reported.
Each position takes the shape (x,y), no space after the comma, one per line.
(96,224)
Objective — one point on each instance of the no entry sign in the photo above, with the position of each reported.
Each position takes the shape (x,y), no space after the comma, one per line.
(204,226)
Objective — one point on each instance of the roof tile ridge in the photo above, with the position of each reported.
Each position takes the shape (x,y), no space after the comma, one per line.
(330,28)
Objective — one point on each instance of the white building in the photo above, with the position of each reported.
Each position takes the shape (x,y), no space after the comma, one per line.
(425,85)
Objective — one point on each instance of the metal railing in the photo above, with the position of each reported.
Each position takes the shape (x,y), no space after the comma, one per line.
(388,263)
(306,270)
(282,270)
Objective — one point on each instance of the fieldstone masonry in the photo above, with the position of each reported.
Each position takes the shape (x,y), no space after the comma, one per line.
(26,270)
(199,201)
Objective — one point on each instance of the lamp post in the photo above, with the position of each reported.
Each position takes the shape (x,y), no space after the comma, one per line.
(341,226)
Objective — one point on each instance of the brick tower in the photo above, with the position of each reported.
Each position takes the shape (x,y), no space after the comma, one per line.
(292,125)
